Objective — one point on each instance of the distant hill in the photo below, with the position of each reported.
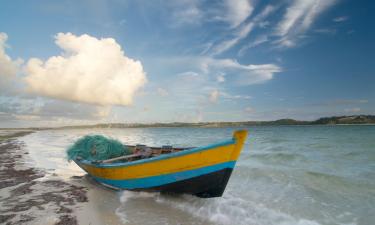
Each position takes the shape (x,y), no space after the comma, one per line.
(357,119)
(361,119)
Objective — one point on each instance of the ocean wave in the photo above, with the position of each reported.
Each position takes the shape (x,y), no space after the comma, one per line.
(222,211)
(126,196)
(279,157)
(329,183)
(232,210)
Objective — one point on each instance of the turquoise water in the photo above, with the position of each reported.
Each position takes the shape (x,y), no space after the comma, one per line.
(285,175)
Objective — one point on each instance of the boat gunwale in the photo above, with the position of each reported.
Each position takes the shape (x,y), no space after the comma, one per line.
(157,158)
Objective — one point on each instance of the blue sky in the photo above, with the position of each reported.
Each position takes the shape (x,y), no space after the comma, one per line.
(185,61)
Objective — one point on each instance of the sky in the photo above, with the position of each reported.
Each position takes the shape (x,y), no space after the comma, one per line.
(74,62)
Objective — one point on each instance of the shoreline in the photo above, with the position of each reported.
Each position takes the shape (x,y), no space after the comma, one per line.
(35,129)
(325,161)
(30,195)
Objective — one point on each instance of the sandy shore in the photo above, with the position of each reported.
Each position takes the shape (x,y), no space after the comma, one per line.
(29,195)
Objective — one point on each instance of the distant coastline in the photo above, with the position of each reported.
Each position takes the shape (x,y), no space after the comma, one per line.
(334,120)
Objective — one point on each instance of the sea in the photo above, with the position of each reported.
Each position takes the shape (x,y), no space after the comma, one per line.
(286,175)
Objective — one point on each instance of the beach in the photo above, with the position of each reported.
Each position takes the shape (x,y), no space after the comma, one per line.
(295,175)
(27,196)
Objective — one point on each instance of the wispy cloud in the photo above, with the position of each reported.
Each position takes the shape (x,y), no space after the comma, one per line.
(227,44)
(214,96)
(267,10)
(298,18)
(242,31)
(204,67)
(237,11)
(244,74)
(183,83)
(221,77)
(26,117)
(249,110)
(102,111)
(42,112)
(325,31)
(338,102)
(186,12)
(234,97)
(206,77)
(258,41)
(232,12)
(340,19)
(162,92)
(353,110)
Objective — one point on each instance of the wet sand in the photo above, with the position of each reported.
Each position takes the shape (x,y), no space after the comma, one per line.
(29,195)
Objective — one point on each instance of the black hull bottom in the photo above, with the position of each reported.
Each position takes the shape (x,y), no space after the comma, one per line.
(204,186)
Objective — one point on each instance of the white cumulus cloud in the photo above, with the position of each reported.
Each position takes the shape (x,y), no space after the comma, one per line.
(8,67)
(89,70)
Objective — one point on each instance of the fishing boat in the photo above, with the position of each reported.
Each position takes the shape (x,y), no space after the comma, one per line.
(200,171)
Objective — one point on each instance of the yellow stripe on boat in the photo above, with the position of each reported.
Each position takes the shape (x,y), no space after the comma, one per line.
(189,160)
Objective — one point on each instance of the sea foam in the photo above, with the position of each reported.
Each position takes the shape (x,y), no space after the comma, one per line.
(226,210)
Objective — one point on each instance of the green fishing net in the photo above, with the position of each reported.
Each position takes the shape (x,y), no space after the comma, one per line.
(96,147)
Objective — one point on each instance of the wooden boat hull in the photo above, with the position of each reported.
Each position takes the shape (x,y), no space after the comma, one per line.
(202,171)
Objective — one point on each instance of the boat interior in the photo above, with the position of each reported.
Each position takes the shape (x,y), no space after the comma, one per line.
(143,151)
